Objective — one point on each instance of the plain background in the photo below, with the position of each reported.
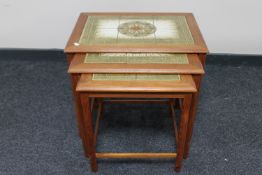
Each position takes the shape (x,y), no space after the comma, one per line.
(228,26)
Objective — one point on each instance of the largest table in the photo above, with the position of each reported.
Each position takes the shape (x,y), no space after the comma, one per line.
(175,33)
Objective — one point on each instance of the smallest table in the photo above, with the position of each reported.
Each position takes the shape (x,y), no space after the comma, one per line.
(162,86)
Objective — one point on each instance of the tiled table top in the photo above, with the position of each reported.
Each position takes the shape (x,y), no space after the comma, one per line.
(134,30)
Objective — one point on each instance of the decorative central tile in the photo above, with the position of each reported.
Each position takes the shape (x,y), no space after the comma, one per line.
(136,77)
(136,28)
(132,30)
(136,58)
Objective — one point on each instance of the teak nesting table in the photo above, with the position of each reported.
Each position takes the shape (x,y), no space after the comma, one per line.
(136,55)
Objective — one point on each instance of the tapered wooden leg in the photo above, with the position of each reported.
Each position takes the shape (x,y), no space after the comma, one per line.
(182,131)
(77,104)
(79,114)
(193,110)
(195,99)
(88,128)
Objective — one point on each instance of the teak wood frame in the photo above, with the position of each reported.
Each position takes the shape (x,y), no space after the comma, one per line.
(91,134)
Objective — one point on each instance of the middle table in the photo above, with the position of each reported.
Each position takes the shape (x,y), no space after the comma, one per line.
(134,63)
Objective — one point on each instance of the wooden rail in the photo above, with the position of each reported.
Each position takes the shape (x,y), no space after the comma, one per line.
(137,101)
(136,155)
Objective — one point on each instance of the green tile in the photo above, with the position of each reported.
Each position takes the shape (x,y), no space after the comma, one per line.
(136,58)
(136,30)
(136,77)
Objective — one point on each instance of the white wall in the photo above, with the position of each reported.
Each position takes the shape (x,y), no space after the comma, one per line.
(228,26)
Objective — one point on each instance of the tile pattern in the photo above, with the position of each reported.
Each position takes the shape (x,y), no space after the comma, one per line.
(136,77)
(136,58)
(136,30)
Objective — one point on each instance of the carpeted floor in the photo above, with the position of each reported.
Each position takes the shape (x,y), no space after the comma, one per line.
(38,133)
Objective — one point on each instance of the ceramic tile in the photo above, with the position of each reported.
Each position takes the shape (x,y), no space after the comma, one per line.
(136,77)
(132,30)
(136,58)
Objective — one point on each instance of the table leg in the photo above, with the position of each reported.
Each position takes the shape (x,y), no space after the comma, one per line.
(193,110)
(88,128)
(192,114)
(182,131)
(77,104)
(79,114)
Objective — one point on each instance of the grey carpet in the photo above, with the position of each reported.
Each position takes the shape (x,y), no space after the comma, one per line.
(38,133)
